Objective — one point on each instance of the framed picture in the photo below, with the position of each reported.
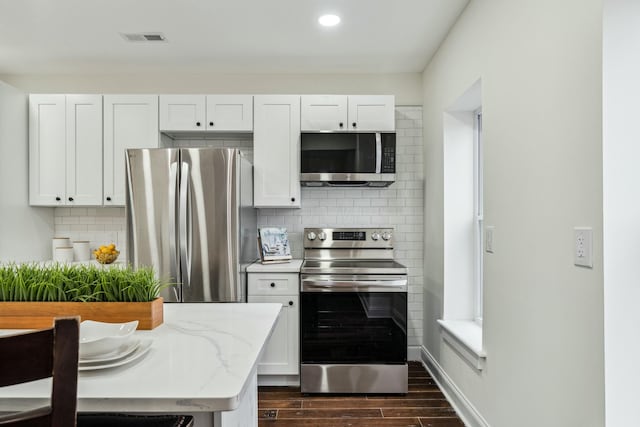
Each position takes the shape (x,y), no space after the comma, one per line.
(273,243)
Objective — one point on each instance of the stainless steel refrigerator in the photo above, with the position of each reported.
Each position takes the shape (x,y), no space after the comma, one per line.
(190,216)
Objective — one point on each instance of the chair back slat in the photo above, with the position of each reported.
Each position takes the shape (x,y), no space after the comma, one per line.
(23,358)
(65,372)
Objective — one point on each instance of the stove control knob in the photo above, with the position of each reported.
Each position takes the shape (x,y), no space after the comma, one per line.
(311,235)
(322,236)
(375,235)
(386,236)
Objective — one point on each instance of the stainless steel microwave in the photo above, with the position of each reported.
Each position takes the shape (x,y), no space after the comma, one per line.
(348,159)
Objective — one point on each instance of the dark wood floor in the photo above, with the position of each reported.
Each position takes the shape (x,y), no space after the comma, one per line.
(423,406)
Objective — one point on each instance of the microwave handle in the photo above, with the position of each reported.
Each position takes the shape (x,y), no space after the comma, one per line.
(378,152)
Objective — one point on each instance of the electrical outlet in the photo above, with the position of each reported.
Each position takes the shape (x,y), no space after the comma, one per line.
(488,238)
(583,246)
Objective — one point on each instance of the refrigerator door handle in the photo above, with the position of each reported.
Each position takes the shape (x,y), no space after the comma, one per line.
(185,261)
(173,221)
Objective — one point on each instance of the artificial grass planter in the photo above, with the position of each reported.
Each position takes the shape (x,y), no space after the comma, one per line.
(32,295)
(77,283)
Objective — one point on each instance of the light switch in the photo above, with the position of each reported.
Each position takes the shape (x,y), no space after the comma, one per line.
(488,238)
(583,246)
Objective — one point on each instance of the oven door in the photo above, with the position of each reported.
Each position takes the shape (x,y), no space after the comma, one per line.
(357,321)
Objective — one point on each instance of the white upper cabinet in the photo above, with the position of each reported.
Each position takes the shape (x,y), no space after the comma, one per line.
(360,113)
(47,141)
(84,150)
(130,121)
(323,112)
(65,150)
(276,151)
(372,112)
(229,113)
(232,113)
(182,112)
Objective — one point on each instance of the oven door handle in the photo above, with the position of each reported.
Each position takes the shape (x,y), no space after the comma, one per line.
(328,285)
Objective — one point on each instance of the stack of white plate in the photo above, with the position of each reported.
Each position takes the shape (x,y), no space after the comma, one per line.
(107,345)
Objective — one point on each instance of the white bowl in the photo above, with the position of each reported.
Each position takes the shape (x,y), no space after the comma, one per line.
(99,338)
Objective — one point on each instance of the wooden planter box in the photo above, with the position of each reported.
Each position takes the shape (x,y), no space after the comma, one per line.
(39,315)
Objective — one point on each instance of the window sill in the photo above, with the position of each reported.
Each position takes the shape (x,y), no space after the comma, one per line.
(465,336)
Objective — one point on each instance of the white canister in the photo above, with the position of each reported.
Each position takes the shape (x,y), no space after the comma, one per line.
(63,254)
(81,250)
(57,242)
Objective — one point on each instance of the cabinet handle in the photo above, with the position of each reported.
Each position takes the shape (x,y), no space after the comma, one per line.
(71,199)
(273,285)
(197,123)
(293,199)
(353,124)
(290,302)
(108,199)
(210,123)
(57,199)
(341,124)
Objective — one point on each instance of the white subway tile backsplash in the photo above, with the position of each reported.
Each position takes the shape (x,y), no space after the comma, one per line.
(399,206)
(362,202)
(344,202)
(379,202)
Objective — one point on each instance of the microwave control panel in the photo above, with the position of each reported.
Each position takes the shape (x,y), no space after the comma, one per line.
(388,159)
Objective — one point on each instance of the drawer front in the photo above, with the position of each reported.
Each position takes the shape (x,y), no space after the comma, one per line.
(273,284)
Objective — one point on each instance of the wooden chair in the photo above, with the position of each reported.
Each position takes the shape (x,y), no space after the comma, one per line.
(43,354)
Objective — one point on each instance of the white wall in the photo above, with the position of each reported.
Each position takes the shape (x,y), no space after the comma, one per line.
(25,233)
(621,155)
(406,87)
(540,65)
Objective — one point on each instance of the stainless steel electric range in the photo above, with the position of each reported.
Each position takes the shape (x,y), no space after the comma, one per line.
(353,313)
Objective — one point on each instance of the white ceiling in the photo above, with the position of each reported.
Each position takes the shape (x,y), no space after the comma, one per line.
(239,36)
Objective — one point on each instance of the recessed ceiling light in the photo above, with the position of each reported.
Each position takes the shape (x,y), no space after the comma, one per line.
(329,20)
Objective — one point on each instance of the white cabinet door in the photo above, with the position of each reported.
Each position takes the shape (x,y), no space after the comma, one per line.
(182,112)
(276,151)
(130,121)
(323,112)
(281,354)
(232,113)
(47,140)
(372,112)
(84,150)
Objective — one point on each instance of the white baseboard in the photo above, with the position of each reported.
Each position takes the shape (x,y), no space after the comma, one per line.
(463,407)
(279,380)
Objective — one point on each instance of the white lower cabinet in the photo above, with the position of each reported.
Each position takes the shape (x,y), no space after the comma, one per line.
(281,356)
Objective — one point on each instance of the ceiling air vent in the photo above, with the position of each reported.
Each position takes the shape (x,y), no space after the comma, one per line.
(144,37)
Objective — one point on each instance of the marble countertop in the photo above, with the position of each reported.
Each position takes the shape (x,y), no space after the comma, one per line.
(284,267)
(201,360)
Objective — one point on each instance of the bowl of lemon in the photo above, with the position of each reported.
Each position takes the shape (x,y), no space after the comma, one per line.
(106,254)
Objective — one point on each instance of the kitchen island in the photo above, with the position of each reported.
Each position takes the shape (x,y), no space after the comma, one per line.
(202,361)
